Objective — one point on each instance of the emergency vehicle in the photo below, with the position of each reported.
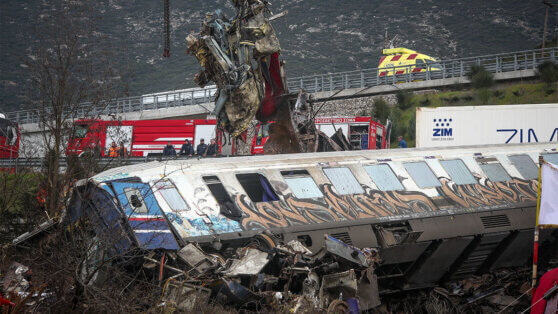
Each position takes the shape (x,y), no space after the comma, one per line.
(144,137)
(403,60)
(9,138)
(362,132)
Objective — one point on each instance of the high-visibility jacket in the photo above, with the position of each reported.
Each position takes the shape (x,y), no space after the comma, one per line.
(113,151)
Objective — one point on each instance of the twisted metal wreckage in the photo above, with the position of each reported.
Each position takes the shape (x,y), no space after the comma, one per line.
(242,56)
(330,230)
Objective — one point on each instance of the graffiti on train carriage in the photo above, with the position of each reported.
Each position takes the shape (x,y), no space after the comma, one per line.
(375,203)
(487,193)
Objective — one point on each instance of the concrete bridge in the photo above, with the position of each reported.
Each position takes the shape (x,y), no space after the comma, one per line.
(198,102)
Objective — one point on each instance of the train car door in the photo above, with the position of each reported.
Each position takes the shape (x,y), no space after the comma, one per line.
(144,216)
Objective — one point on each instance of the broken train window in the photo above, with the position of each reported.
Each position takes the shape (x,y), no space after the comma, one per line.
(301,184)
(343,181)
(135,199)
(227,207)
(458,171)
(383,177)
(422,174)
(257,187)
(171,195)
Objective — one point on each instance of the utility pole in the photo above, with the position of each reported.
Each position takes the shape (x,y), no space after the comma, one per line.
(548,6)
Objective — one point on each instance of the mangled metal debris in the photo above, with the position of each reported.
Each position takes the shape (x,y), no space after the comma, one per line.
(241,55)
(289,275)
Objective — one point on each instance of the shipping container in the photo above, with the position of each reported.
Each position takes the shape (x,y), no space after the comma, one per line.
(477,125)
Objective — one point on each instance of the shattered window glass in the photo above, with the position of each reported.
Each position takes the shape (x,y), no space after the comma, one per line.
(343,181)
(495,172)
(551,158)
(135,199)
(301,184)
(257,187)
(384,177)
(171,195)
(458,171)
(422,174)
(526,166)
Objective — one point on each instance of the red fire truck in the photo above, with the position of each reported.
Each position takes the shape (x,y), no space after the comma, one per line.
(361,132)
(144,137)
(9,138)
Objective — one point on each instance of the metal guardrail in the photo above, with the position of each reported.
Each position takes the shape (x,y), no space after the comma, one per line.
(497,63)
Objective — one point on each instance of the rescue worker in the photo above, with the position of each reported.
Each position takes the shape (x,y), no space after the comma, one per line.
(187,148)
(169,150)
(402,143)
(211,149)
(122,151)
(202,147)
(113,150)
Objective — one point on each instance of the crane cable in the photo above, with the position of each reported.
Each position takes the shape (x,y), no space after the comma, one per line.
(166,52)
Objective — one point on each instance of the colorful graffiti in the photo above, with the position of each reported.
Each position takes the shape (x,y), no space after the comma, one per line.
(373,203)
(488,193)
(332,208)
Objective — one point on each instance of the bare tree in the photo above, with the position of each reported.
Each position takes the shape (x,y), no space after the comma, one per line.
(71,74)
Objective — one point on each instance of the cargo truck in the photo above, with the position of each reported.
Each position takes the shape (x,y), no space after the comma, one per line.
(477,125)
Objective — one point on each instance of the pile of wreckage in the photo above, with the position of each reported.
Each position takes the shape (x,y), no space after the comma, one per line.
(241,56)
(286,277)
(338,278)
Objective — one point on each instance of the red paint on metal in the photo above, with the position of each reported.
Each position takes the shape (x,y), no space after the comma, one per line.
(412,56)
(396,58)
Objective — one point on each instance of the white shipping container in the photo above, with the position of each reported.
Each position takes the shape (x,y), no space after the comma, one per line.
(477,125)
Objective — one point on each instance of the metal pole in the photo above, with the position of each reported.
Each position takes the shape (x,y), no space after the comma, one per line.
(536,236)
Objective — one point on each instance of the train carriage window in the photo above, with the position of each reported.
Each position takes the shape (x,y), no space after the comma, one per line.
(525,165)
(301,184)
(422,174)
(551,158)
(458,171)
(228,209)
(135,199)
(495,172)
(171,195)
(384,177)
(257,187)
(343,181)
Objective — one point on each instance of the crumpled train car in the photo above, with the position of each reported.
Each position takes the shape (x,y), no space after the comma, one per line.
(434,215)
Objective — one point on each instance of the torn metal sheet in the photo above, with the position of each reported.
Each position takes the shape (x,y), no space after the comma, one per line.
(339,286)
(241,55)
(342,250)
(251,263)
(196,258)
(184,296)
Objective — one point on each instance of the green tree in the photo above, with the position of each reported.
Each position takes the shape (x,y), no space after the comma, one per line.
(480,77)
(380,111)
(411,131)
(398,127)
(404,99)
(548,73)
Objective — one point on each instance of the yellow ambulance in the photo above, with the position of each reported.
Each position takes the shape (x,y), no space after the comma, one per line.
(403,60)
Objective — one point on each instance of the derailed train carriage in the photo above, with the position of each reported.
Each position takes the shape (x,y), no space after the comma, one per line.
(432,215)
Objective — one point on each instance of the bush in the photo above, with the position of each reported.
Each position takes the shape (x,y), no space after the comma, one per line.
(483,95)
(398,128)
(548,72)
(480,78)
(411,130)
(404,98)
(380,110)
(425,102)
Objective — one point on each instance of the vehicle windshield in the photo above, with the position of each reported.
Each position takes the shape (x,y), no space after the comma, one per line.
(80,130)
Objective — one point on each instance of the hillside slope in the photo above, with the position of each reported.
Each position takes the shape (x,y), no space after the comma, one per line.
(316,36)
